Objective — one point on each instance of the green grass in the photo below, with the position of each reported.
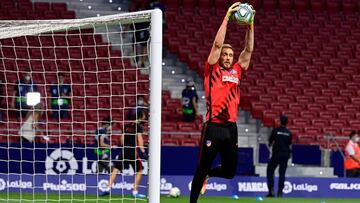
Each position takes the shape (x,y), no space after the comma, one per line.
(67,198)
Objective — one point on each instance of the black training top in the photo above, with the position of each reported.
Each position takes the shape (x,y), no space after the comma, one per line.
(280,138)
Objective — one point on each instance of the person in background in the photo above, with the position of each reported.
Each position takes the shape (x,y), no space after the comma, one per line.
(133,145)
(280,140)
(23,87)
(189,102)
(141,36)
(60,98)
(28,128)
(141,106)
(102,151)
(352,156)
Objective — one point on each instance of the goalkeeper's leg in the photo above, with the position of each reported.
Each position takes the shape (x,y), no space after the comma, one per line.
(228,153)
(208,152)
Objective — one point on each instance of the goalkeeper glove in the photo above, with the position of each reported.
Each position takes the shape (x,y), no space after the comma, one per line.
(232,9)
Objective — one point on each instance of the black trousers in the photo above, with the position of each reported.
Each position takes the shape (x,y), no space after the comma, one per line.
(215,138)
(277,159)
(353,173)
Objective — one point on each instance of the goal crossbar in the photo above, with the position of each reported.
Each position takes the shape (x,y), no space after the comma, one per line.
(17,28)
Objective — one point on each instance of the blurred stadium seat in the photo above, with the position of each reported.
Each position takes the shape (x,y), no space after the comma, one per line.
(298,65)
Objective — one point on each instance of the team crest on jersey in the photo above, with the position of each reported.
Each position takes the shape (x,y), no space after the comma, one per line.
(208,143)
(232,71)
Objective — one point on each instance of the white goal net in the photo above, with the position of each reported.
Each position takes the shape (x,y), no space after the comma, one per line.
(80,103)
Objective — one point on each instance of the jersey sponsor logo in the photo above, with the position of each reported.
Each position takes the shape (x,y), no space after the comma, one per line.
(231,79)
(345,186)
(186,101)
(282,133)
(208,143)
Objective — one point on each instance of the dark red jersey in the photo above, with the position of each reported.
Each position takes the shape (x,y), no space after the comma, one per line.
(223,100)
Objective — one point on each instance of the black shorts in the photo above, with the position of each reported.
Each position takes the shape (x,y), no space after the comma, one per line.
(216,133)
(219,137)
(127,160)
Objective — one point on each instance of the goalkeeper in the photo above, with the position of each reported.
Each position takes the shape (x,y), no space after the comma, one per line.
(131,140)
(222,90)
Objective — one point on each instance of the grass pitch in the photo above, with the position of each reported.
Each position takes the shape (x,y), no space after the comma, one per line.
(72,198)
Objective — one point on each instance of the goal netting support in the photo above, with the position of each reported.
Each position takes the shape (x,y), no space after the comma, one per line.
(62,82)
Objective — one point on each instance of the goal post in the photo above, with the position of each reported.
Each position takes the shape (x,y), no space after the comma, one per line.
(155,108)
(100,59)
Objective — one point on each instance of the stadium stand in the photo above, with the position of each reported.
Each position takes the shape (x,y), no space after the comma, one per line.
(26,10)
(305,62)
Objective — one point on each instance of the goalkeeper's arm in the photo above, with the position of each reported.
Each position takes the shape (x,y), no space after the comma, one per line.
(220,36)
(245,56)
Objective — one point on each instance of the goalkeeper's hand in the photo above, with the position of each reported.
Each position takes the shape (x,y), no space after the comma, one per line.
(232,9)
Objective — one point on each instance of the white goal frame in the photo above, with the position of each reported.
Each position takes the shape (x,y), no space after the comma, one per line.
(16,28)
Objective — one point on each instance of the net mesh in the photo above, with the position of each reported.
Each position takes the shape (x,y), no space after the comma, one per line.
(86,71)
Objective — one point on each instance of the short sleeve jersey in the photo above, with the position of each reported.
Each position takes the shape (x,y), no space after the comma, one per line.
(187,96)
(101,132)
(223,97)
(23,88)
(58,90)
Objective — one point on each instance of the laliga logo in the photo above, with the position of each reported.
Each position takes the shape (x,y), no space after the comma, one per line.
(213,186)
(15,184)
(165,186)
(287,187)
(2,184)
(300,187)
(61,160)
(103,185)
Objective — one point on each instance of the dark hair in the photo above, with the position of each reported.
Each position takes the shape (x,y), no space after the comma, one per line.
(107,121)
(136,115)
(61,74)
(283,120)
(352,134)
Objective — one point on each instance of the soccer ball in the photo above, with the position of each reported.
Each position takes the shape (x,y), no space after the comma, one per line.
(244,14)
(174,192)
